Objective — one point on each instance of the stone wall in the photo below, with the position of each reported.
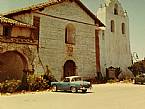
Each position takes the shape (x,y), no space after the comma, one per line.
(52,39)
(29,51)
(52,47)
(14,59)
(21,32)
(20,41)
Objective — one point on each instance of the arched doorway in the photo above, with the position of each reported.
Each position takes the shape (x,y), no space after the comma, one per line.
(69,68)
(12,65)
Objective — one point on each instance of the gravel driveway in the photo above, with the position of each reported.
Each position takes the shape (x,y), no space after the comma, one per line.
(102,96)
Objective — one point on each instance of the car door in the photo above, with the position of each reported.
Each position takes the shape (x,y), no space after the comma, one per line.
(66,84)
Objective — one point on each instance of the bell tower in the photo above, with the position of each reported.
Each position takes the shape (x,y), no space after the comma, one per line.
(115,43)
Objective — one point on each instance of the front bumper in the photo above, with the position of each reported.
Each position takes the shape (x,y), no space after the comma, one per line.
(84,88)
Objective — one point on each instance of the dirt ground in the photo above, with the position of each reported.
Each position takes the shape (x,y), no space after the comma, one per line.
(102,96)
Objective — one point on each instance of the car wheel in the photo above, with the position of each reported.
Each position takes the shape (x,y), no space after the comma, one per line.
(54,88)
(84,91)
(73,89)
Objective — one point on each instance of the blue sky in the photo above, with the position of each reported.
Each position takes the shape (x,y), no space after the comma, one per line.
(135,9)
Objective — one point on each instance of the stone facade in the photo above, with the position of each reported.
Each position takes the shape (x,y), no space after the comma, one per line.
(52,40)
(115,45)
(53,51)
(17,49)
(63,35)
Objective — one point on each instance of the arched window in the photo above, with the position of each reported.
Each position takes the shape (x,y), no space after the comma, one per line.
(115,9)
(70,34)
(112,26)
(123,28)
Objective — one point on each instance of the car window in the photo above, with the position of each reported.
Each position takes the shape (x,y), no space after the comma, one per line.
(73,80)
(76,79)
(66,80)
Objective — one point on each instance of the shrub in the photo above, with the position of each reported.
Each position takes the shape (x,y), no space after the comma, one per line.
(9,86)
(49,79)
(91,80)
(127,81)
(111,81)
(36,83)
(32,83)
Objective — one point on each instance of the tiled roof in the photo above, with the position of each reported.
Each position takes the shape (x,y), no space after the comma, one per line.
(53,2)
(13,22)
(34,7)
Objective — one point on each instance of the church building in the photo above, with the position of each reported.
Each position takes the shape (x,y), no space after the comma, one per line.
(66,31)
(65,37)
(114,38)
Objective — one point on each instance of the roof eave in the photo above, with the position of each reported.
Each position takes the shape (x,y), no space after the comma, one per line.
(97,21)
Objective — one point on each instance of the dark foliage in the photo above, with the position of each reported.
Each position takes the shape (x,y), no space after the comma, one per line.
(32,83)
(36,83)
(9,86)
(138,68)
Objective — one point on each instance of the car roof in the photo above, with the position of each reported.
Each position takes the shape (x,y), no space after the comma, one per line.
(73,77)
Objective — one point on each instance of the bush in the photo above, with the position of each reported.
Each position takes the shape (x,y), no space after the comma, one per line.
(36,83)
(111,81)
(32,83)
(9,86)
(91,80)
(127,81)
(49,79)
